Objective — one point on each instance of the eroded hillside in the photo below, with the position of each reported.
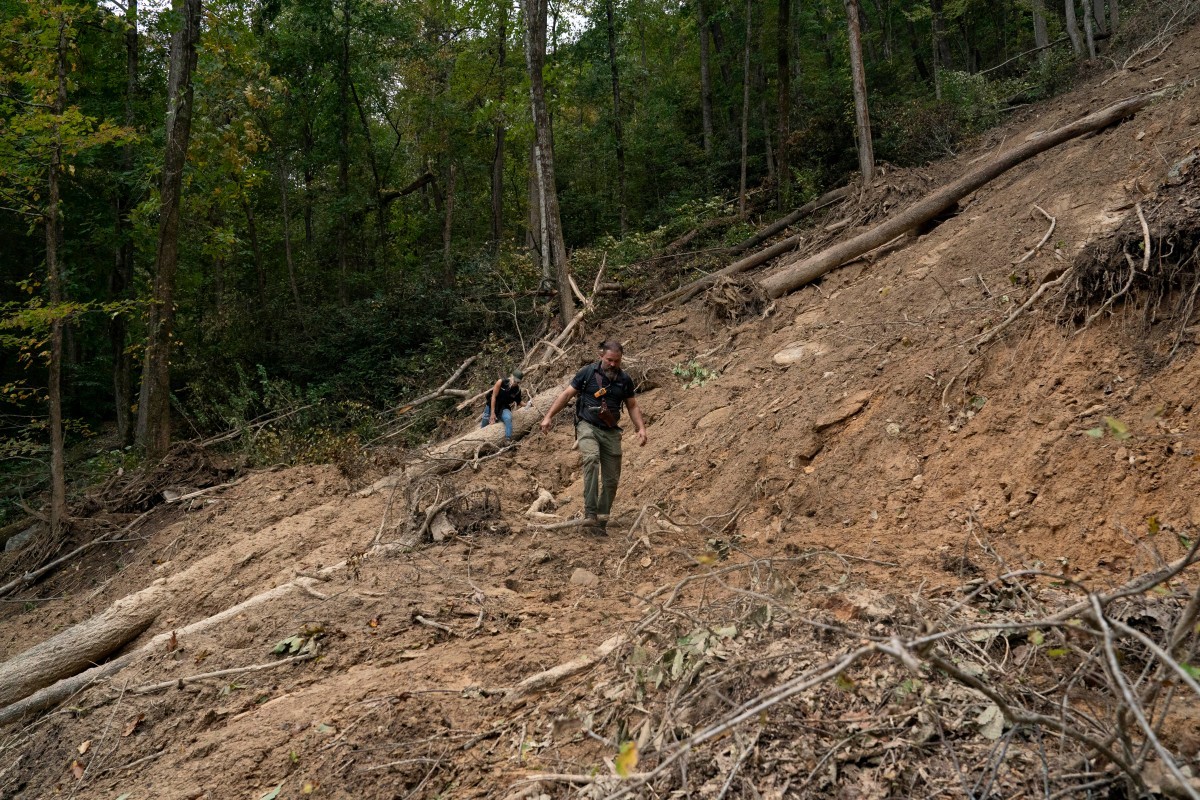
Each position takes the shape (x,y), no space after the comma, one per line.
(847,476)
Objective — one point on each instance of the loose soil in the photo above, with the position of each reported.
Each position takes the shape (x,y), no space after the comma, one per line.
(846,432)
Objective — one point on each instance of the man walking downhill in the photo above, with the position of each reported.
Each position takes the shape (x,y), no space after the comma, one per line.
(599,390)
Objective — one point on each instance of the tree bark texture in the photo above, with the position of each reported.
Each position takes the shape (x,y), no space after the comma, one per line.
(535,53)
(448,272)
(796,275)
(287,243)
(1041,39)
(706,112)
(343,150)
(500,128)
(154,408)
(783,75)
(58,480)
(1089,28)
(862,116)
(121,280)
(1072,26)
(616,92)
(745,113)
(79,646)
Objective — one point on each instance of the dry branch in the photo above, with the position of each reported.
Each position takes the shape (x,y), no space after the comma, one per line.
(221,673)
(796,275)
(546,679)
(791,219)
(442,391)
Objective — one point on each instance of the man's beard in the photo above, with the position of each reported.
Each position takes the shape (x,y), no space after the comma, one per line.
(612,373)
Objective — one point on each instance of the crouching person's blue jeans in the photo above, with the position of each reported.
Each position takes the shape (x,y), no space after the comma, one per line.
(505,417)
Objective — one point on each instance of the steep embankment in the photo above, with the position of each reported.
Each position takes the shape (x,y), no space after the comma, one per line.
(849,465)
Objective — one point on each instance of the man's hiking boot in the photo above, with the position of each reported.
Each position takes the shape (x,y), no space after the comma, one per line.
(594,525)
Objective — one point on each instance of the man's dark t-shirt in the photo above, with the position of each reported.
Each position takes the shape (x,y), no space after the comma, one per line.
(507,397)
(590,380)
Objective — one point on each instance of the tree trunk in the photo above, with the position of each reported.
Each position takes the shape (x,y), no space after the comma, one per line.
(58,481)
(1089,28)
(287,243)
(760,79)
(1041,39)
(616,92)
(448,274)
(154,407)
(783,49)
(121,279)
(79,646)
(706,111)
(373,163)
(535,54)
(1098,12)
(745,113)
(796,275)
(914,44)
(941,48)
(862,117)
(308,184)
(498,151)
(1073,27)
(260,269)
(1114,16)
(343,151)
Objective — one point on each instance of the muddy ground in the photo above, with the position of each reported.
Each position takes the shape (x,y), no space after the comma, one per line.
(846,464)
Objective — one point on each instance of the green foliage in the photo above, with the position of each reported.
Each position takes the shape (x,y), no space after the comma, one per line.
(693,374)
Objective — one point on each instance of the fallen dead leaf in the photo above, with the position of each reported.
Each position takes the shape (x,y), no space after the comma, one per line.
(77,769)
(83,748)
(131,726)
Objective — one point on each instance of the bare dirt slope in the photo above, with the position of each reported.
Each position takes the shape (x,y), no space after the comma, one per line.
(849,448)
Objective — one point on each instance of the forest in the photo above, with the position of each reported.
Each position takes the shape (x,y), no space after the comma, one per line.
(230,211)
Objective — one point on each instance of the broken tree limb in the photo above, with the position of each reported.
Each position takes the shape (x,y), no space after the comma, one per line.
(31,577)
(1046,238)
(546,679)
(780,225)
(442,391)
(796,275)
(687,292)
(221,673)
(77,647)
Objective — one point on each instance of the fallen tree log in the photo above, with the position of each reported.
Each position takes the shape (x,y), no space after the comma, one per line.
(41,659)
(782,224)
(685,293)
(688,291)
(79,646)
(793,276)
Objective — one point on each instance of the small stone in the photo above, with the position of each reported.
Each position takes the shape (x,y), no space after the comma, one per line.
(893,429)
(1122,454)
(540,557)
(918,481)
(581,577)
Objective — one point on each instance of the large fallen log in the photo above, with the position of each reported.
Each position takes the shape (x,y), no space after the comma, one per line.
(79,646)
(123,620)
(690,290)
(792,277)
